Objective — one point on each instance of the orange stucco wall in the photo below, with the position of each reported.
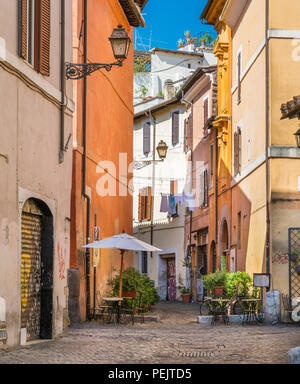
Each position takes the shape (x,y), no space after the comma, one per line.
(109,132)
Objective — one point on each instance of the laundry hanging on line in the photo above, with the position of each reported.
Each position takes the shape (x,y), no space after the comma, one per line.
(169,202)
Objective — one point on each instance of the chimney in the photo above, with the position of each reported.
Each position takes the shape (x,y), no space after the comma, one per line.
(169,90)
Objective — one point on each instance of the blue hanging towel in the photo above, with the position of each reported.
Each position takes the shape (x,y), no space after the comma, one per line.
(172,205)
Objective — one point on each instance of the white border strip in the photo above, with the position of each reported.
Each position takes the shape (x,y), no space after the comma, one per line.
(284,33)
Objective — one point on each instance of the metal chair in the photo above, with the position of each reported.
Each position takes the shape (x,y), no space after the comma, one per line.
(128,309)
(101,309)
(140,308)
(286,306)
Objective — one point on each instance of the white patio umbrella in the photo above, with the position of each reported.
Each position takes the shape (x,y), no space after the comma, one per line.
(124,243)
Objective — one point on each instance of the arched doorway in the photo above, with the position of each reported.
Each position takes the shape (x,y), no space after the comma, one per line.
(224,246)
(36,270)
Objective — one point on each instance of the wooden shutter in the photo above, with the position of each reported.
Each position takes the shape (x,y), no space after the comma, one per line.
(174,187)
(205,107)
(239,76)
(44,40)
(22,28)
(202,190)
(149,203)
(175,128)
(189,133)
(140,206)
(206,188)
(146,138)
(237,152)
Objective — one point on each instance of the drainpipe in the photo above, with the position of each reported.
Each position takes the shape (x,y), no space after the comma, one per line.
(62,81)
(267,140)
(84,158)
(153,121)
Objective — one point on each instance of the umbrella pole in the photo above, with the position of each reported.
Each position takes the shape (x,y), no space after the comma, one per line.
(121,274)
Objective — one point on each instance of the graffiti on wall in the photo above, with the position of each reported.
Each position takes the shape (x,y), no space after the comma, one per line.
(62,256)
(279,258)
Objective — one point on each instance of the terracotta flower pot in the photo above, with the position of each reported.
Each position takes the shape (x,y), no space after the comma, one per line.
(218,291)
(186,297)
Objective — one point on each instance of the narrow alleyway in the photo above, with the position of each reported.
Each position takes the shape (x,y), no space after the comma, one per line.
(176,338)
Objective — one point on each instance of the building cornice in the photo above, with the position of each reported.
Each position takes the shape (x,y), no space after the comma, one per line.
(132,10)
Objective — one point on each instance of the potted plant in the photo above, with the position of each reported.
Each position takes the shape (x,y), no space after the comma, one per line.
(214,283)
(186,295)
(180,43)
(240,282)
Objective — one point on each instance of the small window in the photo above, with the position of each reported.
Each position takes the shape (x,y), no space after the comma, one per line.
(145,204)
(34,33)
(211,164)
(205,111)
(237,152)
(144,262)
(204,189)
(239,231)
(175,128)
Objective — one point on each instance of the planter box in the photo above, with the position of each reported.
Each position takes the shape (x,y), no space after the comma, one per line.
(205,319)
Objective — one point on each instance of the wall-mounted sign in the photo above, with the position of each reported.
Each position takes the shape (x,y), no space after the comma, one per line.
(261,280)
(96,233)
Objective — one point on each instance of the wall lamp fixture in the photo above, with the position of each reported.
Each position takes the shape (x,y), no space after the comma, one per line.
(120,43)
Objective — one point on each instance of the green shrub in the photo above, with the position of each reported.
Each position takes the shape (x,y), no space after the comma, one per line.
(216,279)
(241,280)
(133,280)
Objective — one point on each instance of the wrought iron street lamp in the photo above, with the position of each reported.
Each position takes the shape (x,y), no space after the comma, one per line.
(297,135)
(120,43)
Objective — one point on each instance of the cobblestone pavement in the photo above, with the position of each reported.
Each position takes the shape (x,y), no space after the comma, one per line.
(176,338)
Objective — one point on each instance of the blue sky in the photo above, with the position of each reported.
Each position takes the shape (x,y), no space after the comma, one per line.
(168,19)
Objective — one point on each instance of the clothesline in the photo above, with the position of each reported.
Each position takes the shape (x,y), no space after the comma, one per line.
(171,201)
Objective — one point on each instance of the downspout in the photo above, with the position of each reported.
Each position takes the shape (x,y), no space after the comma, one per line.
(84,159)
(267,140)
(62,80)
(153,121)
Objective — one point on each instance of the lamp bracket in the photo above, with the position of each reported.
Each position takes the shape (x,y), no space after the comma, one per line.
(80,71)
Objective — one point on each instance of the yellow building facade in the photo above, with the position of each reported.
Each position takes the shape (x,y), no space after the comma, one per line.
(264,164)
(220,193)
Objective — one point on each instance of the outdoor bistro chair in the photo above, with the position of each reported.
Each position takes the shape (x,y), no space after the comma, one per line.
(140,308)
(102,309)
(128,309)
